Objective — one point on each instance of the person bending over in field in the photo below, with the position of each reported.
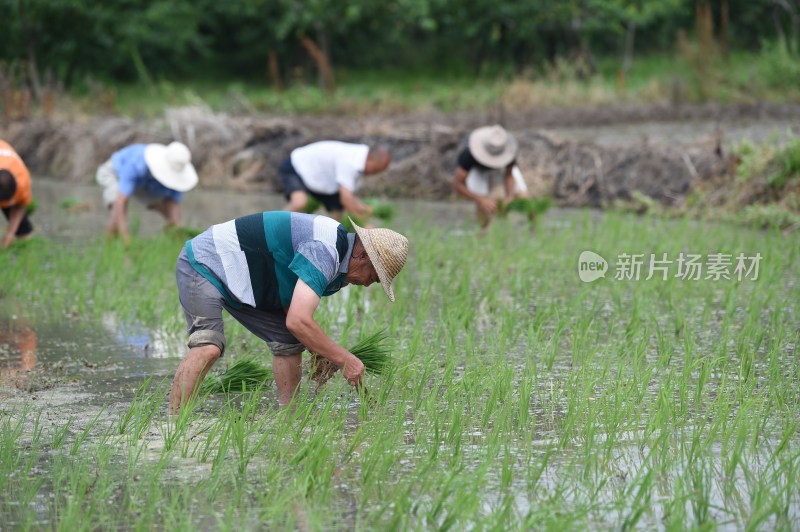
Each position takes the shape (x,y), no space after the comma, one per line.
(331,172)
(155,174)
(269,271)
(15,194)
(489,150)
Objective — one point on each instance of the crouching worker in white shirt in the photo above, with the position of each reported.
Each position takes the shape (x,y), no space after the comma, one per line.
(331,172)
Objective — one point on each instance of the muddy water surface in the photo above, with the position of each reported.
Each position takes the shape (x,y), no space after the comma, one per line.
(83,370)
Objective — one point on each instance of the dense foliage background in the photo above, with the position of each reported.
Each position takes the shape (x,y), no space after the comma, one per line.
(62,41)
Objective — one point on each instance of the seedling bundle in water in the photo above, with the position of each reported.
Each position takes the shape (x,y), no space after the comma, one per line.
(244,374)
(249,373)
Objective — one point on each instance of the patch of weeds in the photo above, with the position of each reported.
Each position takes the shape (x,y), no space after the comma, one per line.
(769,216)
(788,162)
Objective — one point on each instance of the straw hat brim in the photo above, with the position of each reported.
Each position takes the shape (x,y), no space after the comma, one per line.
(375,258)
(155,155)
(478,150)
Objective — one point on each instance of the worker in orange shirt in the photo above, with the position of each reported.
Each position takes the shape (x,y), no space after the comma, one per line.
(15,194)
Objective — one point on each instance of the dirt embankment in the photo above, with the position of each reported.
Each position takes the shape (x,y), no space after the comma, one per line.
(243,153)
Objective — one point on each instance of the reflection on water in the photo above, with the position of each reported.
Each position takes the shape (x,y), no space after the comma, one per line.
(143,342)
(17,351)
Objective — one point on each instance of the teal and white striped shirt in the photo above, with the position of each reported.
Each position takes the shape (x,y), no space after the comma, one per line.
(256,260)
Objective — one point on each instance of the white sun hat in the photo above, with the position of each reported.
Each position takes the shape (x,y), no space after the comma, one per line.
(171,165)
(387,251)
(493,146)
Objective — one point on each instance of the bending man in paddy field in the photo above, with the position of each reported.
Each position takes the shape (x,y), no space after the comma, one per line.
(331,172)
(15,194)
(269,271)
(154,174)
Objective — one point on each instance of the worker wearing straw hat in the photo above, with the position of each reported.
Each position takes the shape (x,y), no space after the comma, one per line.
(155,174)
(15,194)
(269,271)
(488,148)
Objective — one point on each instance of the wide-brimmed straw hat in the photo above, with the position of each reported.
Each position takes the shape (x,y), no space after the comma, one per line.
(171,165)
(387,250)
(493,146)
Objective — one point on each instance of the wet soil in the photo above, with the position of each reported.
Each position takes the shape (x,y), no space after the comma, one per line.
(580,156)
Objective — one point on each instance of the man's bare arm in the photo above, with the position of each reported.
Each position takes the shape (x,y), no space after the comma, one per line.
(300,322)
(352,203)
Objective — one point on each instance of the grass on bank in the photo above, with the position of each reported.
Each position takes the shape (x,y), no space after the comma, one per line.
(771,75)
(620,403)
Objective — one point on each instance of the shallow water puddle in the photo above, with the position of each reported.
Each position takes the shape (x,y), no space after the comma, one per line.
(105,360)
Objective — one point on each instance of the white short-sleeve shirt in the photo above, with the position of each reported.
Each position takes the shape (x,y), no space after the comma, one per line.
(326,165)
(479,181)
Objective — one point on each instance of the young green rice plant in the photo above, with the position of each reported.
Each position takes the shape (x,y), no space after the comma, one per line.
(85,434)
(173,428)
(15,465)
(60,432)
(138,418)
(244,427)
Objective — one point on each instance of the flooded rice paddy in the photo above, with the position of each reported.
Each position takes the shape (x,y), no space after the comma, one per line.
(521,397)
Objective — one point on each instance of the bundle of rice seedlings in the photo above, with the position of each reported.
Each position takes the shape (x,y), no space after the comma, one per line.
(182,233)
(373,350)
(345,221)
(383,210)
(244,374)
(530,207)
(312,205)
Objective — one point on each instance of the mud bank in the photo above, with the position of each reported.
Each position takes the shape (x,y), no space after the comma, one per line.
(242,153)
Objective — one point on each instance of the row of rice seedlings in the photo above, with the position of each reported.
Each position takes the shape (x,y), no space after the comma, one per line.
(454,418)
(136,282)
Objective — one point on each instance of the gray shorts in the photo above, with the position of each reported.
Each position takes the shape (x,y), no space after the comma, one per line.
(202,304)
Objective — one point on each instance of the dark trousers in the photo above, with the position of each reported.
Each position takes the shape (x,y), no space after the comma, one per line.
(25,227)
